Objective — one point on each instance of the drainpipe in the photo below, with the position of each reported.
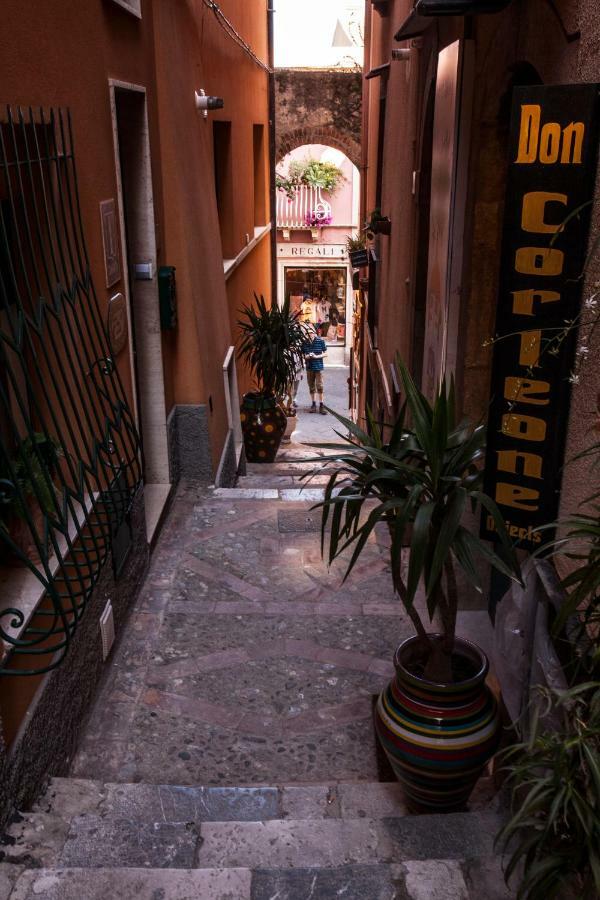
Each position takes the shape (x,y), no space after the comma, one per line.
(272,149)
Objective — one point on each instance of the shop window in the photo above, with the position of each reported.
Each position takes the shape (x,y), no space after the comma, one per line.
(319,294)
(224,184)
(260,180)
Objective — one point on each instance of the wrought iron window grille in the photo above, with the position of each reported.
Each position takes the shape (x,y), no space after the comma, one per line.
(69,447)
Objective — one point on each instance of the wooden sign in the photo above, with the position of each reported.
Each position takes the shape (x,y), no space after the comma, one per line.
(553,149)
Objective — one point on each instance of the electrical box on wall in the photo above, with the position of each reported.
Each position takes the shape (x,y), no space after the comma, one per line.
(167,297)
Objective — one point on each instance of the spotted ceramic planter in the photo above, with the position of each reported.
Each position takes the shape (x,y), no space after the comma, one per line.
(438,737)
(263,426)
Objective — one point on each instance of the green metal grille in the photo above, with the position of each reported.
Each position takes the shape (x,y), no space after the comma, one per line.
(69,447)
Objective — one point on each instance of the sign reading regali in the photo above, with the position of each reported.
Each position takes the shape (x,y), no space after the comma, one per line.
(553,147)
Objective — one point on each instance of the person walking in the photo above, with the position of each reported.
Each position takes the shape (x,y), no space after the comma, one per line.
(315,351)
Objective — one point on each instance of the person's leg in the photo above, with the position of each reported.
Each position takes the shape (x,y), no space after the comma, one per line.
(321,393)
(311,378)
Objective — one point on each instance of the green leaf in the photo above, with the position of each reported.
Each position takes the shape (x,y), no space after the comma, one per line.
(446,532)
(418,550)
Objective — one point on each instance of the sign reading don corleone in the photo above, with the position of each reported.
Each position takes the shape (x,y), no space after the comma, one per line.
(552,162)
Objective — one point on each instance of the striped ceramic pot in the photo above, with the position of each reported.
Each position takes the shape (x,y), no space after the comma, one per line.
(438,737)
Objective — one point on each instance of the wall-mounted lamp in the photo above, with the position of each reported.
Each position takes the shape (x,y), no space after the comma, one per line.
(204,103)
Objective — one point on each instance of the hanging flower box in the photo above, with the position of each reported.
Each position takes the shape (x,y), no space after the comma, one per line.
(318,217)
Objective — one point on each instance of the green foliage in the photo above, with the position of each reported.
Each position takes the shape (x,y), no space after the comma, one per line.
(424,478)
(310,173)
(29,473)
(554,833)
(271,344)
(356,242)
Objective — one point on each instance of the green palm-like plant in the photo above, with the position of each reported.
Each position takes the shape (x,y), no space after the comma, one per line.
(424,479)
(271,344)
(554,835)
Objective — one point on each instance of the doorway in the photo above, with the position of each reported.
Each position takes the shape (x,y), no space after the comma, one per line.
(138,244)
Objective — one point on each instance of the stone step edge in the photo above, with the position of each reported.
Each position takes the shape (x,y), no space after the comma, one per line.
(286,495)
(308,800)
(462,877)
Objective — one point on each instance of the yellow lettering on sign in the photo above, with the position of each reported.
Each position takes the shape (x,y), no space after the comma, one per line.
(529,133)
(525,428)
(533,216)
(572,149)
(532,463)
(530,348)
(539,261)
(550,143)
(516,496)
(523,300)
(524,390)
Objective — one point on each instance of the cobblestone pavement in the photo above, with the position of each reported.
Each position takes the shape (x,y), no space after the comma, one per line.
(245,661)
(321,428)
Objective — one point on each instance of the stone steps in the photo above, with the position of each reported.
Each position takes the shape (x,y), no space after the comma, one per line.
(355,840)
(79,824)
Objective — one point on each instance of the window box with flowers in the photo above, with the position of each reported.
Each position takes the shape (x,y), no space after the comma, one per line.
(317,218)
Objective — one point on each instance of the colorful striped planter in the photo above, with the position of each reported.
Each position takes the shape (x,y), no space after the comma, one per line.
(438,737)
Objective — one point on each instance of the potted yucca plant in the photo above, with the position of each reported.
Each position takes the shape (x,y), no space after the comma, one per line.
(271,341)
(422,480)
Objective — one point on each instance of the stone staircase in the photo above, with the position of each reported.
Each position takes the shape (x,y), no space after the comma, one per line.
(85,839)
(92,840)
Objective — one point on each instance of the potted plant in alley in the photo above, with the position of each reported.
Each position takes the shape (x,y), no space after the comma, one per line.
(377,224)
(358,254)
(437,720)
(28,496)
(271,344)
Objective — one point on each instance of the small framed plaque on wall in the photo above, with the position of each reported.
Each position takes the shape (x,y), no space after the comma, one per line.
(118,328)
(110,241)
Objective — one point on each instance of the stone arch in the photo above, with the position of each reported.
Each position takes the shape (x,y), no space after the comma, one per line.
(318,134)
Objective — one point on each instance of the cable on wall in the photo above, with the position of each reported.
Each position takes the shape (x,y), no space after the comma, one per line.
(235,36)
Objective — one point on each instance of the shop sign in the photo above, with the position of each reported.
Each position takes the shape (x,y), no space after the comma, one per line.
(313,251)
(552,164)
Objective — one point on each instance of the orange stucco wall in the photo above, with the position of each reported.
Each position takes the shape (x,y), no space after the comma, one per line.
(62,53)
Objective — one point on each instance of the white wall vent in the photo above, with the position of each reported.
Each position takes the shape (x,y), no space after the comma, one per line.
(107,629)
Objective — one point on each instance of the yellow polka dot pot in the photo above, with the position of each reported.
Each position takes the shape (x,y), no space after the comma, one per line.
(263,426)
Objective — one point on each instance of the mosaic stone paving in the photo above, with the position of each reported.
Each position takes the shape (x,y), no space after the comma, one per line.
(245,660)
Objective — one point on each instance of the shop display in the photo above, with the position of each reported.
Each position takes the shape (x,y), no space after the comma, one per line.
(320,297)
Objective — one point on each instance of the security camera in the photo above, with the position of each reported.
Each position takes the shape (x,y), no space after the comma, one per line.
(204,103)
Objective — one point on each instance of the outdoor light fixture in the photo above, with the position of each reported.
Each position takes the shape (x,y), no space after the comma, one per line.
(204,103)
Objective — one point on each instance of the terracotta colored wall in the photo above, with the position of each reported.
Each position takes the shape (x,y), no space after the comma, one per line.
(73,49)
(208,60)
(61,54)
(253,275)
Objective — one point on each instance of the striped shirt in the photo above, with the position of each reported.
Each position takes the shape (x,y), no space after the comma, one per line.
(317,345)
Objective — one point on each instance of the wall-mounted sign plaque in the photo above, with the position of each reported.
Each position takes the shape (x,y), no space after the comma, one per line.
(553,148)
(110,242)
(316,251)
(117,324)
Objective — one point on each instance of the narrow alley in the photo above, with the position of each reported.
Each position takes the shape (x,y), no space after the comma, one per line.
(299,442)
